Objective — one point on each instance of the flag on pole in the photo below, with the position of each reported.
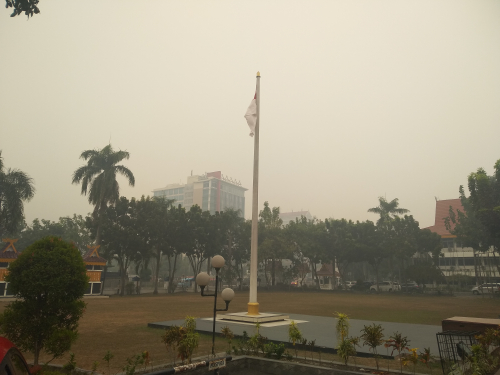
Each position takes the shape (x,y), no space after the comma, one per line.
(251,115)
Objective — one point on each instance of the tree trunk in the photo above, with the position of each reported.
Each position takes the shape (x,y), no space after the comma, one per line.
(123,275)
(171,275)
(273,272)
(230,257)
(158,259)
(36,354)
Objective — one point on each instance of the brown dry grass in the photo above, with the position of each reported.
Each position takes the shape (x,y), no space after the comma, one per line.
(119,324)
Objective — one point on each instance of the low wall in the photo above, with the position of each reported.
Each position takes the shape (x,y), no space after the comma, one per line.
(266,367)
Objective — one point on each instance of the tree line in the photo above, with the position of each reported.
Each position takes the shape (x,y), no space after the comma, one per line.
(148,231)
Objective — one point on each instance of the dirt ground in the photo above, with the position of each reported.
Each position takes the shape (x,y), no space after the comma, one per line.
(119,324)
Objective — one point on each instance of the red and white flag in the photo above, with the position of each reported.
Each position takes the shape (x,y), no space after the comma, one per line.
(251,115)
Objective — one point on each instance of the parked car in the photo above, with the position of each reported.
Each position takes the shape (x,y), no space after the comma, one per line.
(185,283)
(411,287)
(385,286)
(11,360)
(349,284)
(486,288)
(362,287)
(294,283)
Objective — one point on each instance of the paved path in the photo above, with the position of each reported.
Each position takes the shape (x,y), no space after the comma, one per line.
(322,329)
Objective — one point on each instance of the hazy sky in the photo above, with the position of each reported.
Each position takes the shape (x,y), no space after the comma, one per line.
(359,99)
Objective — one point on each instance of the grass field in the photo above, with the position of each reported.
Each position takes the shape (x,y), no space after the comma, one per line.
(119,324)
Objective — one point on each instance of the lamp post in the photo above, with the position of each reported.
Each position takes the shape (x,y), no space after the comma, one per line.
(227,294)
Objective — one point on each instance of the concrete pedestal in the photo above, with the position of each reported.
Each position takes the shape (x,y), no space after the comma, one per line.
(245,318)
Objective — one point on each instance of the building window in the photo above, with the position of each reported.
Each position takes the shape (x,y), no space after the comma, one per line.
(447,243)
(4,264)
(93,288)
(469,261)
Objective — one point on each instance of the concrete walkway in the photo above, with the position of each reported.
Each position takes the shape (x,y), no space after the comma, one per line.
(322,329)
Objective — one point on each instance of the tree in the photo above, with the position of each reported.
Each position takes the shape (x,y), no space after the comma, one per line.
(272,245)
(388,210)
(153,220)
(479,225)
(120,236)
(29,7)
(98,178)
(49,280)
(404,234)
(370,244)
(70,229)
(485,201)
(205,238)
(231,225)
(15,188)
(310,240)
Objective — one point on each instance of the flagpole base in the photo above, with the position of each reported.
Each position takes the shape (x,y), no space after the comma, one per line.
(253,308)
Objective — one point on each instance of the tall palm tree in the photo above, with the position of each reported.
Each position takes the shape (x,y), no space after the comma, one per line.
(15,187)
(98,178)
(387,210)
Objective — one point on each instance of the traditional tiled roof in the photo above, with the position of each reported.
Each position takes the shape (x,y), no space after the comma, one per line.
(442,212)
(327,270)
(8,252)
(92,256)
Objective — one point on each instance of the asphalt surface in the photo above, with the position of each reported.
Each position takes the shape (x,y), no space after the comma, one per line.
(322,329)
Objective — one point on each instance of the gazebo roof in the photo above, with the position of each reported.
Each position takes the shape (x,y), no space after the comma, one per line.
(8,252)
(327,270)
(93,257)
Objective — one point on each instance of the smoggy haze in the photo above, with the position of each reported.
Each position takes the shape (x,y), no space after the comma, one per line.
(359,99)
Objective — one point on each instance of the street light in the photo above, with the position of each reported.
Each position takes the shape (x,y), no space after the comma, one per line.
(227,294)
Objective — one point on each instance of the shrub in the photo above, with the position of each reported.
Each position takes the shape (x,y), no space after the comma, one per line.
(49,278)
(373,336)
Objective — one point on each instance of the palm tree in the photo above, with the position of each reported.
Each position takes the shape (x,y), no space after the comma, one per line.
(15,187)
(98,178)
(387,210)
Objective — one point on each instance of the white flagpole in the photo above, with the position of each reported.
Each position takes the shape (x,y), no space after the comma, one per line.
(253,305)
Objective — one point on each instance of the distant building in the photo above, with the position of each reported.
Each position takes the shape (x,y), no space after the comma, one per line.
(94,264)
(457,259)
(8,254)
(212,192)
(292,216)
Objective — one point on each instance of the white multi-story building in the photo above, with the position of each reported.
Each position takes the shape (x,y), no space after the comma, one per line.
(212,192)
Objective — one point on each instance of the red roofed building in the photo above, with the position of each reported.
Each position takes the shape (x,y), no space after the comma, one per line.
(442,212)
(456,259)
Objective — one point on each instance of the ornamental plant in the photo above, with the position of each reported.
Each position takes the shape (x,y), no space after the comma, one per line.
(189,339)
(229,336)
(425,358)
(171,338)
(398,343)
(413,358)
(294,335)
(345,347)
(373,336)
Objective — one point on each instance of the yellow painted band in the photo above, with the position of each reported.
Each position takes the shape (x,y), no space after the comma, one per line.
(253,308)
